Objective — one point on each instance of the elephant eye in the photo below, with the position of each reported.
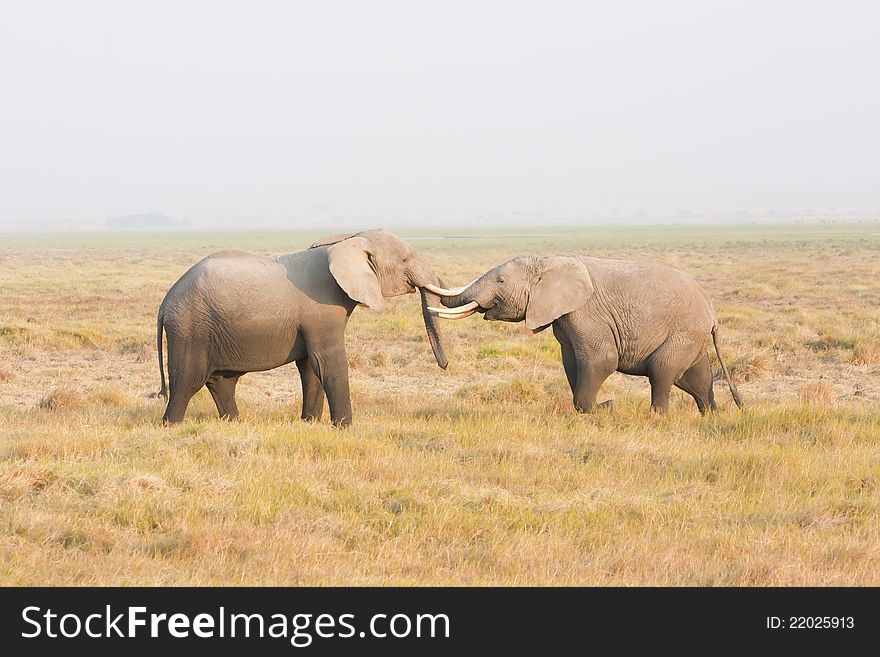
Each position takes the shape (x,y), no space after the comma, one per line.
(500,280)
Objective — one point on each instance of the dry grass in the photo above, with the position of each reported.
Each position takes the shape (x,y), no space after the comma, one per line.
(820,392)
(867,353)
(61,398)
(753,366)
(482,474)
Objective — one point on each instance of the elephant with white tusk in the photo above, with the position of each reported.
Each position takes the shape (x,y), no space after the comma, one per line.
(639,318)
(236,312)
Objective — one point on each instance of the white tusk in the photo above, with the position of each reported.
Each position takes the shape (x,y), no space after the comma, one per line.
(459,316)
(473,305)
(443,292)
(451,292)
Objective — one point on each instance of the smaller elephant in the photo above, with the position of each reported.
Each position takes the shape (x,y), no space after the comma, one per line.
(639,318)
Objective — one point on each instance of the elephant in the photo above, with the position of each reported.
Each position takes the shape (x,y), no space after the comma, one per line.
(639,318)
(236,312)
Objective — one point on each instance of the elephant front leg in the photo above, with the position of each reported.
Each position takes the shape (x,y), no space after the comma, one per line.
(569,362)
(332,370)
(591,374)
(312,391)
(586,368)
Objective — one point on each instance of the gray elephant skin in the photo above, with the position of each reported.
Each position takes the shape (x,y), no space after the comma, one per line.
(235,312)
(640,318)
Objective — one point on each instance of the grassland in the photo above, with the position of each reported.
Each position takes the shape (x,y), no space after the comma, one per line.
(482,474)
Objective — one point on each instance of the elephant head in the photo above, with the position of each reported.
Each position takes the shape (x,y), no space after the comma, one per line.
(538,290)
(375,265)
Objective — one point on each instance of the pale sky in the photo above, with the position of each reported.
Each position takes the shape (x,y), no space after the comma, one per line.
(262,111)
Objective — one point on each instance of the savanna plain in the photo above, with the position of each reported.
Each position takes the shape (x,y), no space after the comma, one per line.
(482,474)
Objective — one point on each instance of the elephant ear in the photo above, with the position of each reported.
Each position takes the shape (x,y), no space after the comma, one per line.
(332,239)
(563,287)
(351,266)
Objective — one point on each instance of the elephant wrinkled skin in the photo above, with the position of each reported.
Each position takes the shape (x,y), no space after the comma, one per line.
(235,312)
(640,318)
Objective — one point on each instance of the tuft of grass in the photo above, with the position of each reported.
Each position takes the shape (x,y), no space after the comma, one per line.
(834,337)
(61,398)
(754,366)
(81,338)
(518,391)
(114,397)
(489,351)
(142,351)
(141,482)
(15,334)
(820,393)
(867,353)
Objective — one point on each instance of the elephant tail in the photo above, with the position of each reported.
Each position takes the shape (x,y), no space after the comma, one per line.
(730,383)
(160,324)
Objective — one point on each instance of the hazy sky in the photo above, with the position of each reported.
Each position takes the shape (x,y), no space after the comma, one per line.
(214,111)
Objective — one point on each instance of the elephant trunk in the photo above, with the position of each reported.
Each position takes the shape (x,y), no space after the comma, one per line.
(432,328)
(424,280)
(453,301)
(472,292)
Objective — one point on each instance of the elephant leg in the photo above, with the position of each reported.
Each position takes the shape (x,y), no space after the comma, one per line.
(312,391)
(178,400)
(591,374)
(569,362)
(222,389)
(666,366)
(186,376)
(661,387)
(697,382)
(331,365)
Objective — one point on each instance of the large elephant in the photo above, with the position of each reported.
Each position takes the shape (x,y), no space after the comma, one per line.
(639,318)
(236,312)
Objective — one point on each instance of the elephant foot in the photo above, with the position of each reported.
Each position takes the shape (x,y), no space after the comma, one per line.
(607,405)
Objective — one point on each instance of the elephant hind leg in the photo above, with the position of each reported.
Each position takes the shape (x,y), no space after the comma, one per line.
(697,382)
(312,391)
(187,373)
(661,375)
(178,399)
(668,365)
(222,389)
(661,387)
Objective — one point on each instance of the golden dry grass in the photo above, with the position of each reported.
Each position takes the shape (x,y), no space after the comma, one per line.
(817,393)
(479,475)
(61,398)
